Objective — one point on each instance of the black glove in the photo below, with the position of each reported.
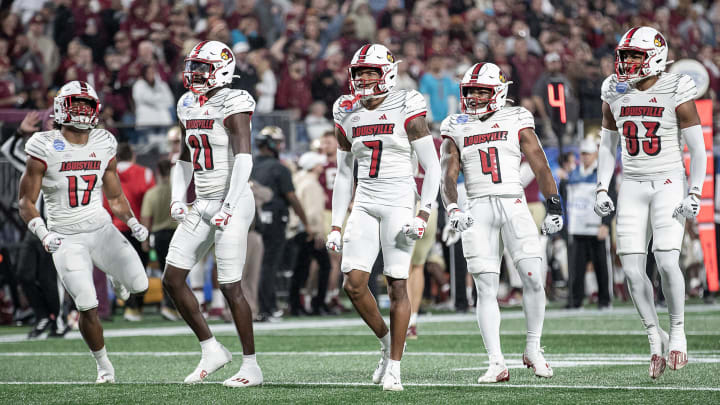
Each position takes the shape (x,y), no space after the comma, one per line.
(553,205)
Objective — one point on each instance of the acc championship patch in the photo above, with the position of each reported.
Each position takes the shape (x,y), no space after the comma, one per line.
(621,87)
(461,119)
(59,145)
(187,101)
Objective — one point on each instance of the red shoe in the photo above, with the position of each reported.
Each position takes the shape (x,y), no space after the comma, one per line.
(657,366)
(677,360)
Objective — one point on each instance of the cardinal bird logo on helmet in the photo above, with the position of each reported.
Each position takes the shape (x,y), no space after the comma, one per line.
(390,57)
(659,40)
(225,55)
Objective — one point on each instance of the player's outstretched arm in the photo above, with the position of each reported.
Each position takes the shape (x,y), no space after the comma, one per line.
(238,130)
(180,178)
(119,204)
(450,167)
(609,138)
(342,190)
(691,130)
(530,146)
(30,184)
(418,134)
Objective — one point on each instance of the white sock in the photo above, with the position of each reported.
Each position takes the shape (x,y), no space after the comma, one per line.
(531,274)
(488,313)
(413,319)
(332,293)
(641,292)
(206,345)
(217,299)
(394,365)
(673,285)
(385,343)
(249,360)
(102,360)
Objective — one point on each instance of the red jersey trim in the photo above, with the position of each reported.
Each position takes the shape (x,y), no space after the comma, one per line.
(241,112)
(39,160)
(341,129)
(420,114)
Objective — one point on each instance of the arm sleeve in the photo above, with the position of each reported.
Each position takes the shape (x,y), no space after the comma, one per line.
(526,174)
(427,156)
(698,160)
(180,177)
(612,193)
(342,188)
(685,91)
(606,157)
(239,178)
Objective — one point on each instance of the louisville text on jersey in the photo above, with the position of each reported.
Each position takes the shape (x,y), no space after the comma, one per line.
(200,124)
(375,129)
(641,111)
(484,138)
(80,165)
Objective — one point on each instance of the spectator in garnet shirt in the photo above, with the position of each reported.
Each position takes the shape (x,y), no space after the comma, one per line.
(294,89)
(136,180)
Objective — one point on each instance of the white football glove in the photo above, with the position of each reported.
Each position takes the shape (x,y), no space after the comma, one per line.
(416,230)
(51,242)
(138,230)
(688,208)
(334,241)
(222,218)
(603,204)
(460,221)
(553,223)
(178,211)
(449,236)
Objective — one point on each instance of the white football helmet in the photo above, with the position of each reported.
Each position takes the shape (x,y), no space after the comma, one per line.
(67,110)
(378,57)
(651,43)
(486,75)
(210,64)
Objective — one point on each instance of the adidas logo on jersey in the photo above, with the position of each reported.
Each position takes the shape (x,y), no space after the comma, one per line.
(496,126)
(383,117)
(93,154)
(653,100)
(518,201)
(667,181)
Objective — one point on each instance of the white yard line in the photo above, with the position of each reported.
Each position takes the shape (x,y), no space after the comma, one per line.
(334,323)
(406,384)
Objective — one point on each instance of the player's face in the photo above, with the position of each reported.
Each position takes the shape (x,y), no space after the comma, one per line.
(369,77)
(82,106)
(478,97)
(632,57)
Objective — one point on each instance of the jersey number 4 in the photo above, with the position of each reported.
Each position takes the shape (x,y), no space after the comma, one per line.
(490,163)
(90,179)
(651,146)
(376,147)
(198,145)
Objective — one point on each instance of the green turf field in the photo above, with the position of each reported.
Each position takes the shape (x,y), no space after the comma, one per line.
(598,357)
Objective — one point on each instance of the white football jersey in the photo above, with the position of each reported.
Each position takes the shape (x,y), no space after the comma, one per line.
(207,139)
(490,150)
(381,145)
(73,179)
(651,146)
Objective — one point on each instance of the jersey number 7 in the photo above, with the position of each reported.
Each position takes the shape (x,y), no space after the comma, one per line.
(90,179)
(376,147)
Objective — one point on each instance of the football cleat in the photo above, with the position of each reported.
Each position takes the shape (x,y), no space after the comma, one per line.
(677,360)
(412,332)
(248,376)
(211,362)
(536,361)
(391,381)
(105,379)
(497,372)
(379,373)
(657,366)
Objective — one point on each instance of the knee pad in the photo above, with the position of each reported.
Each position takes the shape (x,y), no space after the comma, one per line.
(667,260)
(634,267)
(531,273)
(139,284)
(486,284)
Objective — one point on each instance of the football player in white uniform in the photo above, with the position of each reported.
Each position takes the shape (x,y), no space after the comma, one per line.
(381,128)
(72,165)
(215,124)
(652,109)
(486,141)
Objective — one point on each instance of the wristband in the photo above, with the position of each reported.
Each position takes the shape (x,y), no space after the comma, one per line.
(132,222)
(38,228)
(554,207)
(452,207)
